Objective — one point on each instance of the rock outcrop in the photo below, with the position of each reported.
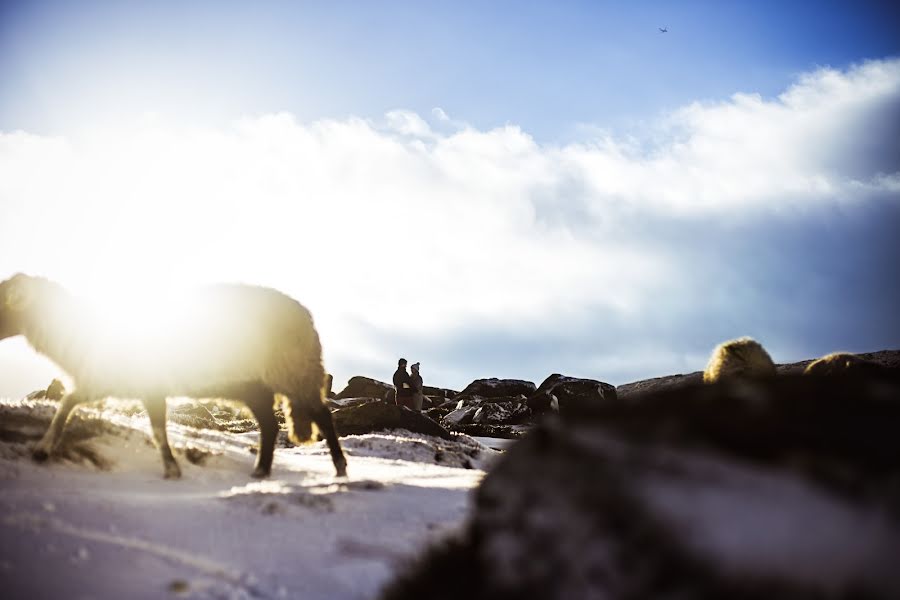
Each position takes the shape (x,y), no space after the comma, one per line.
(365,387)
(55,391)
(381,416)
(496,388)
(562,393)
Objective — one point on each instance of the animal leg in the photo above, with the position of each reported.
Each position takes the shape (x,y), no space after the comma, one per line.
(156,410)
(262,409)
(321,416)
(51,439)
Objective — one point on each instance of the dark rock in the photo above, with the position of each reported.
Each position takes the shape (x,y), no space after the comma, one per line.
(570,391)
(347,402)
(329,384)
(460,416)
(783,488)
(364,387)
(481,400)
(543,401)
(432,401)
(659,384)
(502,414)
(436,413)
(497,388)
(194,415)
(507,432)
(380,416)
(55,391)
(440,392)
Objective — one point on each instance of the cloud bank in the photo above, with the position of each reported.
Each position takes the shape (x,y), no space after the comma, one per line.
(484,253)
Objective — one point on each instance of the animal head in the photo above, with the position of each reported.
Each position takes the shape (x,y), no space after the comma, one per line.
(842,363)
(16,297)
(740,358)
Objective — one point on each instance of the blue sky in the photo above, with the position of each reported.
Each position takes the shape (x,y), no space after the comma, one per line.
(546,66)
(564,188)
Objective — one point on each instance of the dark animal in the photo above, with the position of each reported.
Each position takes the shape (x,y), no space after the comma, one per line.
(237,342)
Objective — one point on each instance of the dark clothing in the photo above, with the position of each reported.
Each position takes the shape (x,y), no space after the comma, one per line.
(407,401)
(403,384)
(418,397)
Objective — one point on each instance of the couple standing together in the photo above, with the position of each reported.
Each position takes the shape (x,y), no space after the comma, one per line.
(409,387)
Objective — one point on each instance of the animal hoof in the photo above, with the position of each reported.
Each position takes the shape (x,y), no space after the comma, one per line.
(259,474)
(341,471)
(172,473)
(40,455)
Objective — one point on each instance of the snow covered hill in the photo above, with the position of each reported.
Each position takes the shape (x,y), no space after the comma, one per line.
(101,522)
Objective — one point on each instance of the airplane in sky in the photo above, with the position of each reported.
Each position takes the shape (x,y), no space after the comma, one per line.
(664,30)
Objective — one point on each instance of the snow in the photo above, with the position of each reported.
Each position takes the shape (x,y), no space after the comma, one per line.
(71,529)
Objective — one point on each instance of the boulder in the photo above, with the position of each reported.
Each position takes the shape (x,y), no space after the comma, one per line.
(194,415)
(380,416)
(439,392)
(55,391)
(480,400)
(659,384)
(497,388)
(502,414)
(569,391)
(364,387)
(779,488)
(508,432)
(460,416)
(432,401)
(437,414)
(347,402)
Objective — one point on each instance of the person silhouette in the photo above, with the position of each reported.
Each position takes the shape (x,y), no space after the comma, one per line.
(418,396)
(403,384)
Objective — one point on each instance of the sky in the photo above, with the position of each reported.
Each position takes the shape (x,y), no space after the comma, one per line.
(492,189)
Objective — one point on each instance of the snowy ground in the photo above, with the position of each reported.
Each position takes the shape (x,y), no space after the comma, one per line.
(101,522)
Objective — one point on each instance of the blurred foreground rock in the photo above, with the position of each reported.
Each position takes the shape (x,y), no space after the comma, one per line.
(782,488)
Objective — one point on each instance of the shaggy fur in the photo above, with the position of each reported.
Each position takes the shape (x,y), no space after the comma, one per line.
(743,357)
(237,342)
(841,363)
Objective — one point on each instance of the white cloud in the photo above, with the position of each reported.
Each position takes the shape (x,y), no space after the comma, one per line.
(420,233)
(408,123)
